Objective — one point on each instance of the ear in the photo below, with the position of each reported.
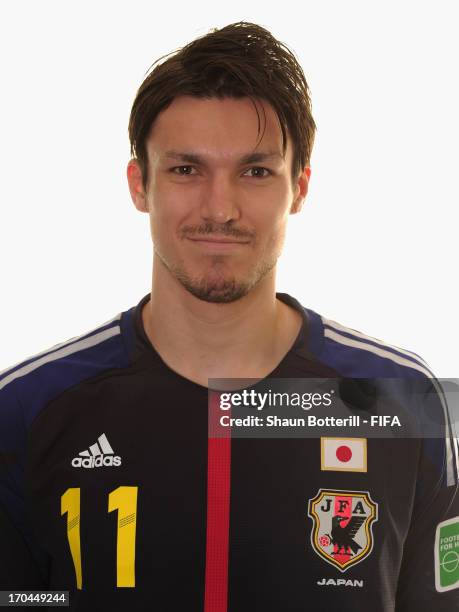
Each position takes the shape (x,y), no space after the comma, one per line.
(136,189)
(301,189)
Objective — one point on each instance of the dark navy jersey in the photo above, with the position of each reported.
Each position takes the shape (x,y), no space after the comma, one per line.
(112,489)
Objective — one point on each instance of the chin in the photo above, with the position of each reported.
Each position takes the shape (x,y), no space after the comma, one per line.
(217,292)
(219,289)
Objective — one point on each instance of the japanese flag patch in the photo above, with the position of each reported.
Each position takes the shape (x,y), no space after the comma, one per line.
(343,454)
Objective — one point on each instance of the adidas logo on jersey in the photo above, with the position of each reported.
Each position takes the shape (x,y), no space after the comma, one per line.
(99,454)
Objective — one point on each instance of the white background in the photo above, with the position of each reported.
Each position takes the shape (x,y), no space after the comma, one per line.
(375,245)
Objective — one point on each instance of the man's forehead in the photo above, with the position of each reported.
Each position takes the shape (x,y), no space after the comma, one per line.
(226,128)
(197,156)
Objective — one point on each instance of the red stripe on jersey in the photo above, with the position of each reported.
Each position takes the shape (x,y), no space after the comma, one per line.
(218,516)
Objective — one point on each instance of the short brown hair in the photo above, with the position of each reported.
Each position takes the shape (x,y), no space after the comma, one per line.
(240,60)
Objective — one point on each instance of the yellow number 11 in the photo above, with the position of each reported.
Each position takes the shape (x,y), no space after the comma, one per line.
(123,499)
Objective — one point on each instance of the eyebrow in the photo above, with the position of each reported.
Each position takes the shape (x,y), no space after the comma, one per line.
(250,158)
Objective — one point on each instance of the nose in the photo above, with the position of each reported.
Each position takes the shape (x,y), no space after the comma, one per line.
(219,201)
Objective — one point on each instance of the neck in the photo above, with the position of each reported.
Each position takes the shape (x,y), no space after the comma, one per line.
(200,340)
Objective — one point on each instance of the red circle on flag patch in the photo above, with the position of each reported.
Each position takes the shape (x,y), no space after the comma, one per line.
(343,453)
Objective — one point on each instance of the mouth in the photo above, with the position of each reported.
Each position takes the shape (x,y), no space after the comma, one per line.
(218,242)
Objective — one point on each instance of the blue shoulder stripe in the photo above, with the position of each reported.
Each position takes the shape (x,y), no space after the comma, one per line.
(114,322)
(359,355)
(379,350)
(38,380)
(339,332)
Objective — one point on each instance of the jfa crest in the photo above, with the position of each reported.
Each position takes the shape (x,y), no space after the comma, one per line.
(342,526)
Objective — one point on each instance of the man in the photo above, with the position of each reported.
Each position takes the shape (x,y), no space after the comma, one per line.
(111,487)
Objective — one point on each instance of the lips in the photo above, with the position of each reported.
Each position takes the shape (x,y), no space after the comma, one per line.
(219,241)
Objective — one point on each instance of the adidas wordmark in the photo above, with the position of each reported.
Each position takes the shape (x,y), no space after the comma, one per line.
(99,454)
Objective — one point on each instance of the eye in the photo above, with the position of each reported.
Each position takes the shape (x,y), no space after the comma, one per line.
(182,170)
(259,171)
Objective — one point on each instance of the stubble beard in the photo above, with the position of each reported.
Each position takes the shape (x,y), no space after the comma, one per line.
(216,286)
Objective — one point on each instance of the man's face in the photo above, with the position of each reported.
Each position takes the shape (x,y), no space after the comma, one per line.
(218,205)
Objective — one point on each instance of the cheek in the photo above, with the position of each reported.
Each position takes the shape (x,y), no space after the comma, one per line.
(169,205)
(160,210)
(165,224)
(158,227)
(274,221)
(275,233)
